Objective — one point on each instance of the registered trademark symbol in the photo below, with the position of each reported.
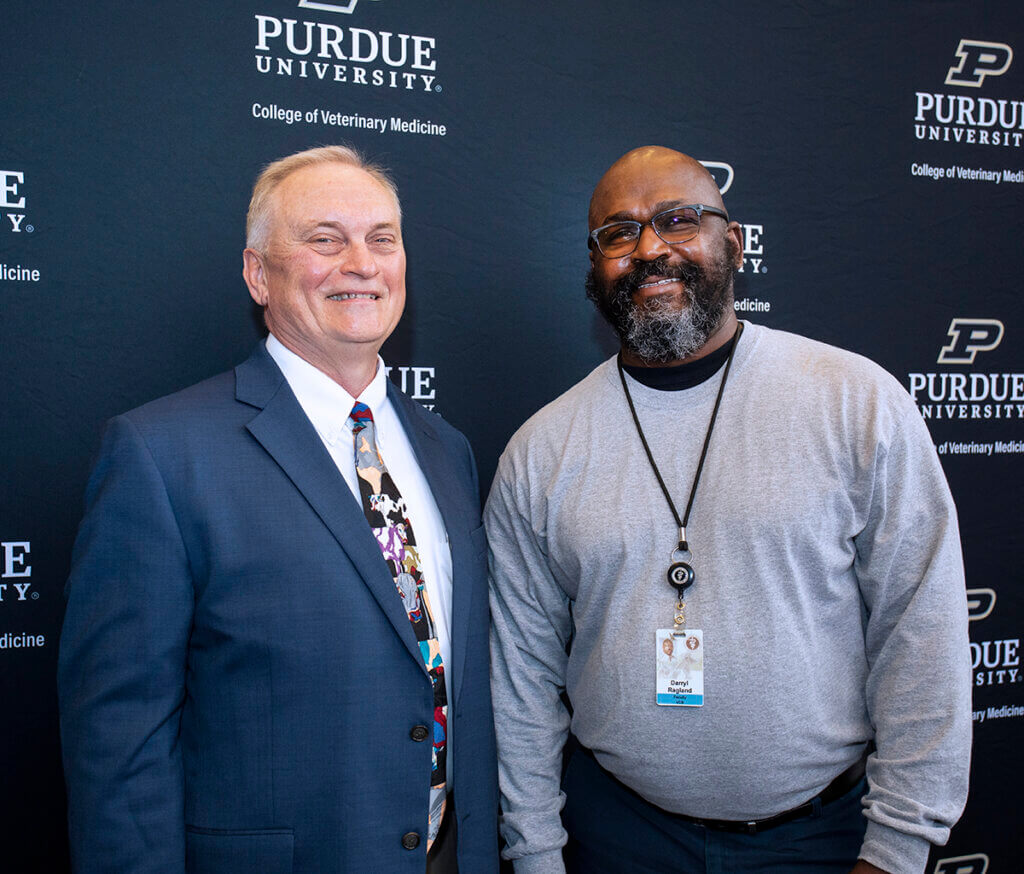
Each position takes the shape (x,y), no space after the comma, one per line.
(35,595)
(29,228)
(437,87)
(764,269)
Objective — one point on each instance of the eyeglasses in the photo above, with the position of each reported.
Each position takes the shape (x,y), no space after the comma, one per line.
(676,225)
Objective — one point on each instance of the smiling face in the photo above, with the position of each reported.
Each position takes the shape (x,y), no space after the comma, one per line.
(332,276)
(668,303)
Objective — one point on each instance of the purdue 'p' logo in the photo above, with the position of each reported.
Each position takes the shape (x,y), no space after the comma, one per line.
(980,603)
(346,6)
(968,337)
(978,60)
(721,172)
(976,864)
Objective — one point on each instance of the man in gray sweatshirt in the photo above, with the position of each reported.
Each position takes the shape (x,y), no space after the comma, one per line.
(728,560)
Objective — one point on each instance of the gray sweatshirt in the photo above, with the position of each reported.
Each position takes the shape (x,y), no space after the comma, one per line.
(829,589)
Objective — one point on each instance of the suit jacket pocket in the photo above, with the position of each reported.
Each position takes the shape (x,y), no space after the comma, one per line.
(219,851)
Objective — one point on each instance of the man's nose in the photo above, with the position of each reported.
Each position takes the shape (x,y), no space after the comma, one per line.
(650,246)
(360,260)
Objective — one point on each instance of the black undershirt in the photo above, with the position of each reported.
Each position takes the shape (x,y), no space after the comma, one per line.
(679,376)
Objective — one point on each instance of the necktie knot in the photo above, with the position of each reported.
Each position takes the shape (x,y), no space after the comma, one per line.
(361,416)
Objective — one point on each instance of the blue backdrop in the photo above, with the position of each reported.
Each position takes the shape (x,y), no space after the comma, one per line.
(873,154)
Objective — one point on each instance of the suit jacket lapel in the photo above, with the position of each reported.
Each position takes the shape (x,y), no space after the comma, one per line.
(285,432)
(440,472)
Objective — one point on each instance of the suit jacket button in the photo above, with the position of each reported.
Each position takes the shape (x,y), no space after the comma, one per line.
(419,732)
(410,841)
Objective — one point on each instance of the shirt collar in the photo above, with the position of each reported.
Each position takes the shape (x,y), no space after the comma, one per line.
(324,402)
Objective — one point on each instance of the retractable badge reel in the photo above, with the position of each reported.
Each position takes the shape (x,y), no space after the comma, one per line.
(680,577)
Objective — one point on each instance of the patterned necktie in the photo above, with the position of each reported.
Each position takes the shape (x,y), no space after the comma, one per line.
(389,519)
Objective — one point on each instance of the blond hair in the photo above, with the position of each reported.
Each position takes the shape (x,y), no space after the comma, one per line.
(257,222)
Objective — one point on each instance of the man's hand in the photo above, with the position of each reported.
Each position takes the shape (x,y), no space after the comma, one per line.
(863,867)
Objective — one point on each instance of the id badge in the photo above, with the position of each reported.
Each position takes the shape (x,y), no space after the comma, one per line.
(680,663)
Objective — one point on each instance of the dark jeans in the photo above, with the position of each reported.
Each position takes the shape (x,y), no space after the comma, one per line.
(614,831)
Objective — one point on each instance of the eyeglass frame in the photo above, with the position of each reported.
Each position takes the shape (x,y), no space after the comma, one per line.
(699,207)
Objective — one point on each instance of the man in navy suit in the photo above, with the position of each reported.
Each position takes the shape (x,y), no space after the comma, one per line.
(243,684)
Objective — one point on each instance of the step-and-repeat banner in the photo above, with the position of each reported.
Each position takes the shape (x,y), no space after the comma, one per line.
(874,154)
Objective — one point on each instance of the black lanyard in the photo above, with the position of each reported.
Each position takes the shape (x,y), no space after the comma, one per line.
(680,574)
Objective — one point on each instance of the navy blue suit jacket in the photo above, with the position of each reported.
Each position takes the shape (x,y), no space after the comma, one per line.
(238,678)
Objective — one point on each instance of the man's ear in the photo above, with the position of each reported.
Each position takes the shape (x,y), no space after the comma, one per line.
(254,272)
(736,232)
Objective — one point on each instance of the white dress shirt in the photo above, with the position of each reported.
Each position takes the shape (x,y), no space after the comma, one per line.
(327,406)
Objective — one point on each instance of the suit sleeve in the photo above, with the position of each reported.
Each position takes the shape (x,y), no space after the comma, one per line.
(910,571)
(121,674)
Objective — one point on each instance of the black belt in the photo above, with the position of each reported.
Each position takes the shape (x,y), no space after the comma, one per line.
(836,789)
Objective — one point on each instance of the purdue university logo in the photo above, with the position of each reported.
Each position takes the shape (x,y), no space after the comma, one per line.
(753,247)
(968,337)
(968,120)
(978,60)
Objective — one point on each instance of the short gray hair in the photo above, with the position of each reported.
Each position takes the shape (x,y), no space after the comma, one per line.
(257,222)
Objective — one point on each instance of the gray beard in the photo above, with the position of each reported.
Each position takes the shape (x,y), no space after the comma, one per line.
(658,330)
